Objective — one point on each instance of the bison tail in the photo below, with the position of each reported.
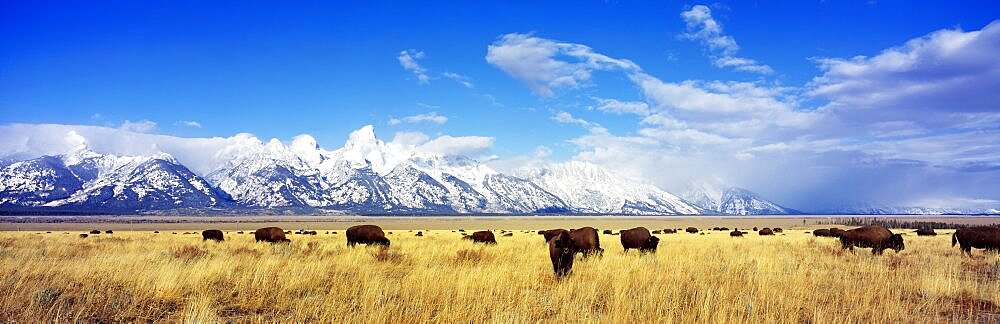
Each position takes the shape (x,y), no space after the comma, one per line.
(954,238)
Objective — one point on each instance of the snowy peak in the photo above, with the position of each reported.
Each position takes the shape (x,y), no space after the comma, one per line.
(589,188)
(715,197)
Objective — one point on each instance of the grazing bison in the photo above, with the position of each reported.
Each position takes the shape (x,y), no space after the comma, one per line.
(270,235)
(736,233)
(836,232)
(215,235)
(586,241)
(366,234)
(156,232)
(561,251)
(777,230)
(983,237)
(109,232)
(657,232)
(484,237)
(95,232)
(640,239)
(873,236)
(420,233)
(691,230)
(608,232)
(823,232)
(508,234)
(755,228)
(83,235)
(669,231)
(765,231)
(549,234)
(926,232)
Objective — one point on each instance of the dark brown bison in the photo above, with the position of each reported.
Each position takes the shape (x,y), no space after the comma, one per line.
(640,239)
(484,237)
(755,228)
(669,231)
(215,235)
(608,232)
(270,234)
(691,230)
(508,234)
(823,232)
(420,233)
(109,232)
(983,237)
(83,235)
(657,232)
(366,234)
(549,234)
(777,230)
(877,238)
(95,232)
(926,232)
(836,232)
(586,241)
(736,233)
(765,231)
(561,252)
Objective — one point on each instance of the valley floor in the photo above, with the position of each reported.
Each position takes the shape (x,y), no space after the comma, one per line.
(138,276)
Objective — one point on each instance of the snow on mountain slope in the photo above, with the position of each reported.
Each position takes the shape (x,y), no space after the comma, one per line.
(588,188)
(716,197)
(86,179)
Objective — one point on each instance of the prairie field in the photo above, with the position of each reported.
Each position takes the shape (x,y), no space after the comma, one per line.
(134,276)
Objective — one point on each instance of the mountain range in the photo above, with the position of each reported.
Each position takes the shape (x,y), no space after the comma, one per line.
(365,176)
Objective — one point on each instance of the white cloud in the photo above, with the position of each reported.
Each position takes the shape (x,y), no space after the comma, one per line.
(937,75)
(461,145)
(410,139)
(141,126)
(545,65)
(408,59)
(703,28)
(431,117)
(567,118)
(190,123)
(461,79)
(621,107)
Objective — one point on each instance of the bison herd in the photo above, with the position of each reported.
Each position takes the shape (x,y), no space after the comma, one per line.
(564,244)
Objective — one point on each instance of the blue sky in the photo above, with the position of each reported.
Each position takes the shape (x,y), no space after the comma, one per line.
(803,105)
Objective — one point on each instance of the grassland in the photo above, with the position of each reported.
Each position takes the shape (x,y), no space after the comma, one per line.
(140,276)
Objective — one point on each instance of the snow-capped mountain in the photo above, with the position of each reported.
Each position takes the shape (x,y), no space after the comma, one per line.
(874,209)
(368,175)
(588,188)
(85,179)
(716,198)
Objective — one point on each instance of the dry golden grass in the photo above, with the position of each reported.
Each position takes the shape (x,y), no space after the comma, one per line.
(139,276)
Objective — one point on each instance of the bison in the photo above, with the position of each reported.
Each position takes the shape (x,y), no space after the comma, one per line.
(777,230)
(549,234)
(873,236)
(983,237)
(95,232)
(657,232)
(926,232)
(561,251)
(109,232)
(83,235)
(485,237)
(736,233)
(823,232)
(669,231)
(586,241)
(640,239)
(765,231)
(366,234)
(420,233)
(212,234)
(836,232)
(608,232)
(691,230)
(270,235)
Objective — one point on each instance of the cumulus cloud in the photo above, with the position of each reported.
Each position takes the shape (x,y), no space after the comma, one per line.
(460,145)
(702,27)
(939,79)
(544,65)
(141,126)
(567,118)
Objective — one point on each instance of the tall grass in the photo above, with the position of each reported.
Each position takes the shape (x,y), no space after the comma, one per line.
(133,276)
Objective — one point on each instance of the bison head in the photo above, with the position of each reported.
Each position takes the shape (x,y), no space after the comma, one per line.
(383,241)
(564,250)
(896,242)
(651,243)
